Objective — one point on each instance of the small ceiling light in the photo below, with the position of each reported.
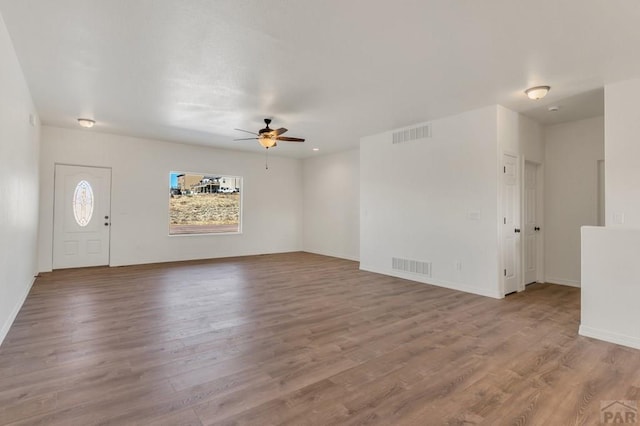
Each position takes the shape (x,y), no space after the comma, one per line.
(86,122)
(537,92)
(316,149)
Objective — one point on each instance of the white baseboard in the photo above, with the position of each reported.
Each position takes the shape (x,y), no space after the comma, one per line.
(432,281)
(7,324)
(562,281)
(331,254)
(609,336)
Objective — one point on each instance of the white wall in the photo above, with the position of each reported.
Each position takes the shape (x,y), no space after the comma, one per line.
(622,151)
(19,145)
(610,268)
(520,135)
(611,285)
(331,191)
(434,200)
(272,207)
(572,151)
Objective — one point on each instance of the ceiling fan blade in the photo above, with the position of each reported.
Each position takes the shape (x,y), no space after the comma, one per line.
(246,139)
(280,131)
(284,138)
(246,131)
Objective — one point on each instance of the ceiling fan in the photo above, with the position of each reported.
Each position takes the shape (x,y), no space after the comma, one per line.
(268,137)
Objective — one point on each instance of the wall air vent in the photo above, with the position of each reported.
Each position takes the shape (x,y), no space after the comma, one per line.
(413,134)
(412,266)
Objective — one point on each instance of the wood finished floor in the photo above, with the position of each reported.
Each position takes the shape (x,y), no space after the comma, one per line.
(297,339)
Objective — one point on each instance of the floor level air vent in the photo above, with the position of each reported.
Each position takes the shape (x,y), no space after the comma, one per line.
(413,134)
(412,266)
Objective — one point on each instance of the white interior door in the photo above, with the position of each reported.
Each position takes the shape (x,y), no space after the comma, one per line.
(531,226)
(511,223)
(82,211)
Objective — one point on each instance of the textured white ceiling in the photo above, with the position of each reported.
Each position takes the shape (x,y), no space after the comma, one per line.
(331,71)
(577,107)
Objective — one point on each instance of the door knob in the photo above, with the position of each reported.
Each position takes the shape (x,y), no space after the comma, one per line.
(106,224)
(517,230)
(537,228)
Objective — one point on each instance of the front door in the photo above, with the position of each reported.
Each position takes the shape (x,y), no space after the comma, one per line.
(82,211)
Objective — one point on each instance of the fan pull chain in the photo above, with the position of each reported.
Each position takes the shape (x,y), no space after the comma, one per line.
(266,160)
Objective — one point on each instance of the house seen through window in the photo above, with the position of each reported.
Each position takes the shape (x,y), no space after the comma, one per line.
(204,203)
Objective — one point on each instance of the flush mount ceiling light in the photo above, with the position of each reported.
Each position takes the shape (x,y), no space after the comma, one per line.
(86,122)
(537,92)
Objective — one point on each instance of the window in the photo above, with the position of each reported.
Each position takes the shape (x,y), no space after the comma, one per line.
(204,203)
(83,203)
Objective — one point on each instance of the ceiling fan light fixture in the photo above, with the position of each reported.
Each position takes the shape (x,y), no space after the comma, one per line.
(537,92)
(266,140)
(86,122)
(268,137)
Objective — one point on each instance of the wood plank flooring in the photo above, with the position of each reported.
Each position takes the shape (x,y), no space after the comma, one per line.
(299,339)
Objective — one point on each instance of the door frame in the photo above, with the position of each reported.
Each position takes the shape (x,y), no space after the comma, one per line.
(539,219)
(601,216)
(53,205)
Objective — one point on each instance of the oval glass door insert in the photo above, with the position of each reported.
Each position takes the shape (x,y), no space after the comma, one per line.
(83,203)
